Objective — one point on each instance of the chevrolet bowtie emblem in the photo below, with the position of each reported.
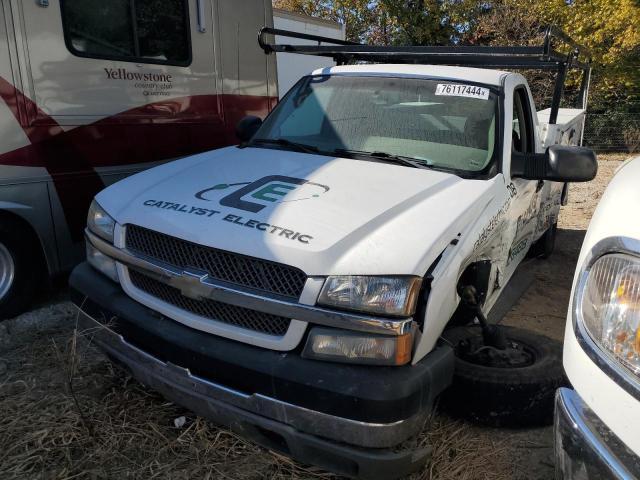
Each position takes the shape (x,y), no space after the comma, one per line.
(190,284)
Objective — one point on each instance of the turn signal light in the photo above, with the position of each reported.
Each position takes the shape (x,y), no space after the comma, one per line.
(355,347)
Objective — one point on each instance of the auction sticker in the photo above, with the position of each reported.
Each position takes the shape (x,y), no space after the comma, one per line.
(459,90)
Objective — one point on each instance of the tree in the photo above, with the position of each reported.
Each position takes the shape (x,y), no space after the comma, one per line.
(385,22)
(609,28)
(359,16)
(419,22)
(506,23)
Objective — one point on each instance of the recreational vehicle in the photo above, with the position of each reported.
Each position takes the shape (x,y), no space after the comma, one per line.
(93,91)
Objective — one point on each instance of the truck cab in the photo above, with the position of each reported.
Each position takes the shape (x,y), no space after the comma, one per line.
(297,286)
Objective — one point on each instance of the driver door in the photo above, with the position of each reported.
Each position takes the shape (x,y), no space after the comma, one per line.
(526,193)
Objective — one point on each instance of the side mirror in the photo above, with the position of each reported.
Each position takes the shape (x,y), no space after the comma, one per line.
(247,128)
(561,163)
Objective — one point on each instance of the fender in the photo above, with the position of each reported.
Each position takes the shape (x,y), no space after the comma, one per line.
(26,204)
(11,206)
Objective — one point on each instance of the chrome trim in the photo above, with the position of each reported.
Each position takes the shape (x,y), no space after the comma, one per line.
(7,271)
(578,426)
(604,360)
(193,389)
(202,20)
(198,285)
(216,327)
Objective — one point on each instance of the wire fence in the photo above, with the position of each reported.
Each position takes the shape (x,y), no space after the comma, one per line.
(613,132)
(616,125)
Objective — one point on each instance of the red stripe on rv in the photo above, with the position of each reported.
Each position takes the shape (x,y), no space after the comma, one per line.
(149,133)
(24,108)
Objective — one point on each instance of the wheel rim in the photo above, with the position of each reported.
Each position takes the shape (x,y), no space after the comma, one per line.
(7,271)
(517,355)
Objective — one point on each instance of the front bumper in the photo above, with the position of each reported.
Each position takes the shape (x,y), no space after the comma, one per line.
(585,447)
(351,419)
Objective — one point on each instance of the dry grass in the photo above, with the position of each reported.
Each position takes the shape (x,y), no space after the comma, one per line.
(67,412)
(464,452)
(584,197)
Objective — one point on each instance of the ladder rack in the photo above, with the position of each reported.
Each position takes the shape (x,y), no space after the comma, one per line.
(542,57)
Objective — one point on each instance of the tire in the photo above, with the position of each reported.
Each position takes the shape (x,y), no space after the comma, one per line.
(545,245)
(20,269)
(505,396)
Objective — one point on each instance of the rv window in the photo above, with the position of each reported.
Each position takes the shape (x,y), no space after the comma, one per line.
(147,31)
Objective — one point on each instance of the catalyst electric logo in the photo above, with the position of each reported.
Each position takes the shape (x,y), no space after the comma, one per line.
(256,196)
(251,197)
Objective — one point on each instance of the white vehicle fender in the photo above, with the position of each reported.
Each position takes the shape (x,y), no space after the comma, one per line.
(456,257)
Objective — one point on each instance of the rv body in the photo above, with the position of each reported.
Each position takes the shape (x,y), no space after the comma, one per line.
(91,93)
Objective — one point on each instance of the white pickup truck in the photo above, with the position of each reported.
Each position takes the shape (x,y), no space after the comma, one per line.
(596,427)
(296,287)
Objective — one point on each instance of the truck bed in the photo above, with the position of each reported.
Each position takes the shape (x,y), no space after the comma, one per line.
(567,131)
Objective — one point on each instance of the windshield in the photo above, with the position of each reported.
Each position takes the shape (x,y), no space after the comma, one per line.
(439,124)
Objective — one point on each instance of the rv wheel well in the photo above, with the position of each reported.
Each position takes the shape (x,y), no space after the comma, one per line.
(30,235)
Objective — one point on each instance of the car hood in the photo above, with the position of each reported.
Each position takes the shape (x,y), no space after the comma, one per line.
(323,214)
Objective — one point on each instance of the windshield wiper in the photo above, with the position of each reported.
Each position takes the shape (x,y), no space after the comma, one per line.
(388,157)
(286,143)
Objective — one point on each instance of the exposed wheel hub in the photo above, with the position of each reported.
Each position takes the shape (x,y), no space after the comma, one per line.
(516,354)
(7,271)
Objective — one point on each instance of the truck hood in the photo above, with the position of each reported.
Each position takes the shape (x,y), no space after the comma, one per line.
(323,214)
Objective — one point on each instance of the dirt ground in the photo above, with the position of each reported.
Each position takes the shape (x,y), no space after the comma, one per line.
(65,412)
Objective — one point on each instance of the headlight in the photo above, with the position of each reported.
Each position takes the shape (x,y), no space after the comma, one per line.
(100,223)
(355,347)
(394,296)
(608,305)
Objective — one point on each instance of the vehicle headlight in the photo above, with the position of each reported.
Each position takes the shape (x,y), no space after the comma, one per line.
(100,222)
(393,296)
(608,305)
(356,347)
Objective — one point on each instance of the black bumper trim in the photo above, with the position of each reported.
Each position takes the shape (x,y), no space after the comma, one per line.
(224,406)
(371,394)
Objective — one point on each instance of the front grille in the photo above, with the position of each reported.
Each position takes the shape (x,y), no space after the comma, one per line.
(230,267)
(222,312)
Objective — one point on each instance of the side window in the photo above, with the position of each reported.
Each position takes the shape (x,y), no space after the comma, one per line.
(147,31)
(522,132)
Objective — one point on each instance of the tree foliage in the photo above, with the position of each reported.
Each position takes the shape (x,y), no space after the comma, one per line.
(384,22)
(609,28)
(358,15)
(419,22)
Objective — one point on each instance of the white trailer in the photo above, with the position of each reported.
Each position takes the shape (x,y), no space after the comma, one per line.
(292,67)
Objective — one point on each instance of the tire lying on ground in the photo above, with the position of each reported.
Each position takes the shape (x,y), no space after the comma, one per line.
(489,390)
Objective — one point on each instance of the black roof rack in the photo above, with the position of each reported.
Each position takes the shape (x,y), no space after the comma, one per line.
(544,56)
